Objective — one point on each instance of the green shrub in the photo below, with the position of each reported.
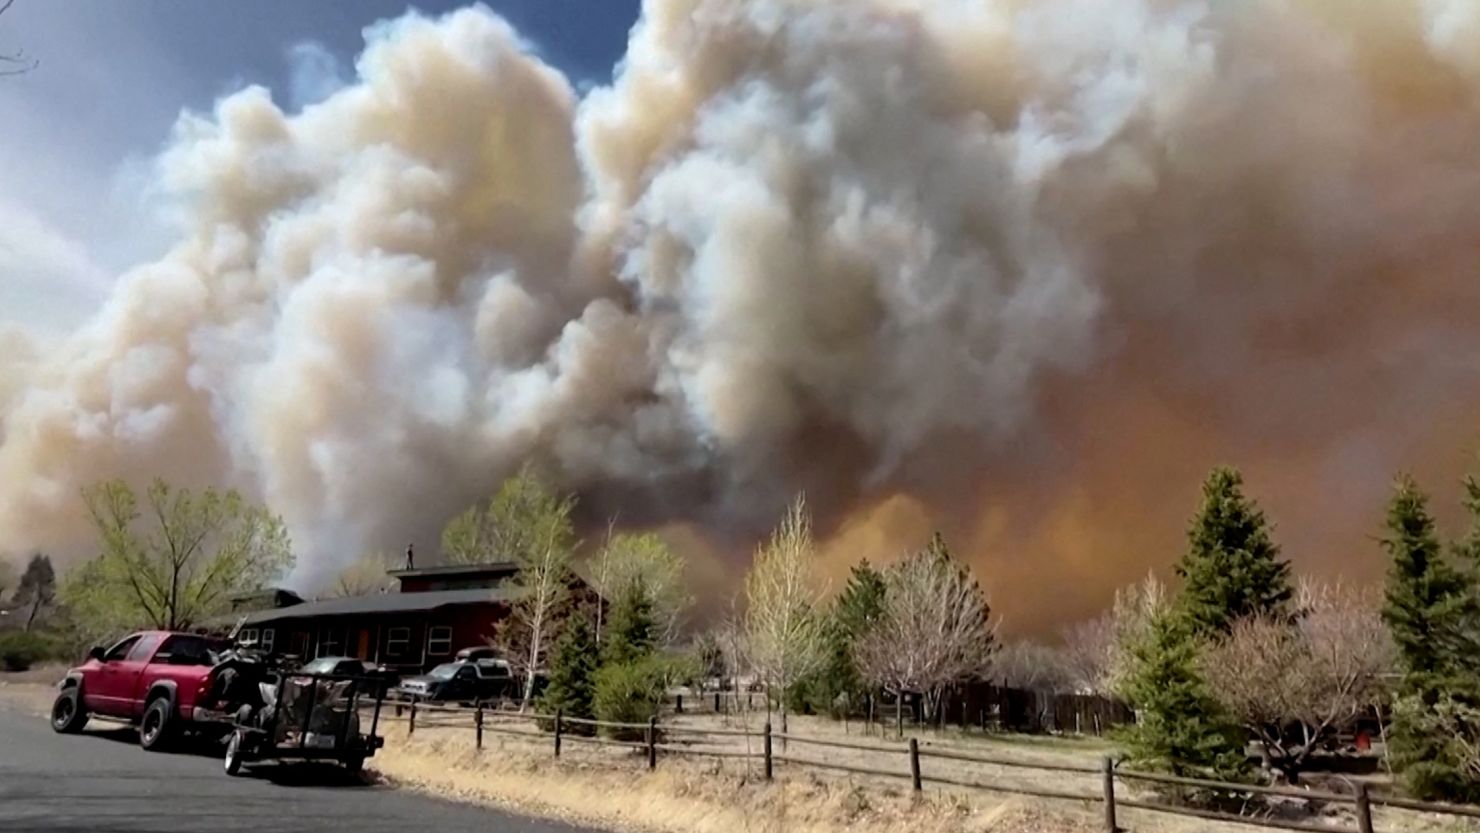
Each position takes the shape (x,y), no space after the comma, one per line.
(630,692)
(20,650)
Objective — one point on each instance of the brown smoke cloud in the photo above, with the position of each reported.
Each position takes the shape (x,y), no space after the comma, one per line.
(1022,270)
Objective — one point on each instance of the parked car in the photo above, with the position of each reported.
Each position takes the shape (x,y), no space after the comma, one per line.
(156,679)
(460,682)
(480,653)
(384,678)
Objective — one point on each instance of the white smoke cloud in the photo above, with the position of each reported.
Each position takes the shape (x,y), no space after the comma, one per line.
(853,246)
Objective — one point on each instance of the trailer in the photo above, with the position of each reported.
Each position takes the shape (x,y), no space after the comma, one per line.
(308,717)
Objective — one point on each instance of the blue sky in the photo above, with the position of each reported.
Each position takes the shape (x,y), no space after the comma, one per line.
(76,133)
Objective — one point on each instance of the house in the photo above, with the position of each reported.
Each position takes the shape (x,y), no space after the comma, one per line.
(434,612)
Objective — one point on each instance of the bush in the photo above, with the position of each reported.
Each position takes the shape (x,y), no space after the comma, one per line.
(630,692)
(20,650)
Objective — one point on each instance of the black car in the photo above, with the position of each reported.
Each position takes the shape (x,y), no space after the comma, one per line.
(383,679)
(460,682)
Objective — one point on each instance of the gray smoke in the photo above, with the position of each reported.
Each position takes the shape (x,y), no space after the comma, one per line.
(995,258)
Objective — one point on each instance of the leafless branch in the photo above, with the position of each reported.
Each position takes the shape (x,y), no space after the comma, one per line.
(14,63)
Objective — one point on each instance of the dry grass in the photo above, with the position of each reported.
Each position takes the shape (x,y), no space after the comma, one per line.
(613,788)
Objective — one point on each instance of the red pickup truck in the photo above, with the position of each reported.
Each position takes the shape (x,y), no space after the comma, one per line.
(156,679)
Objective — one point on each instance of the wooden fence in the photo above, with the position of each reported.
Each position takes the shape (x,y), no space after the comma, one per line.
(657,740)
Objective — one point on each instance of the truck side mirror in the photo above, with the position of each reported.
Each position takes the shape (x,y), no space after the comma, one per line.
(98,653)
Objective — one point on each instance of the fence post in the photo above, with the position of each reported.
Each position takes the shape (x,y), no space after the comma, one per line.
(915,763)
(768,749)
(1364,809)
(1110,825)
(478,721)
(716,702)
(559,729)
(678,703)
(411,726)
(652,740)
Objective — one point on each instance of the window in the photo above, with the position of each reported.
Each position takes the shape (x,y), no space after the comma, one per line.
(186,650)
(439,641)
(267,638)
(144,648)
(300,643)
(397,641)
(466,673)
(247,635)
(119,651)
(329,642)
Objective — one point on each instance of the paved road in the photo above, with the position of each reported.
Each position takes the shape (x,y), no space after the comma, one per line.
(101,782)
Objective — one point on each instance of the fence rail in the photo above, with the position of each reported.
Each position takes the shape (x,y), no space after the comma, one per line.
(555,728)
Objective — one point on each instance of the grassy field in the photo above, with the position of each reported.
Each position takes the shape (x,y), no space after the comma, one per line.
(612,787)
(692,794)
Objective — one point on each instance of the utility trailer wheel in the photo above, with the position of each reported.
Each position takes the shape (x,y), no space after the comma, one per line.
(236,753)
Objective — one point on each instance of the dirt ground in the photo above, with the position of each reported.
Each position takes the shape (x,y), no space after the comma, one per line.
(32,690)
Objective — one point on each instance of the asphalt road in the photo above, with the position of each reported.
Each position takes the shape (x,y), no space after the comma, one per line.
(101,781)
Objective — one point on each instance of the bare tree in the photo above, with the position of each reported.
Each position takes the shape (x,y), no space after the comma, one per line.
(785,628)
(14,63)
(367,576)
(1089,653)
(1135,608)
(1034,666)
(1292,685)
(936,629)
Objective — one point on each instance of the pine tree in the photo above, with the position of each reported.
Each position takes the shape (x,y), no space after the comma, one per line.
(572,671)
(36,589)
(854,611)
(1467,549)
(1432,612)
(1182,729)
(632,632)
(1232,568)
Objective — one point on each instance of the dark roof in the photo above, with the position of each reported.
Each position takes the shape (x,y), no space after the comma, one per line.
(382,603)
(445,570)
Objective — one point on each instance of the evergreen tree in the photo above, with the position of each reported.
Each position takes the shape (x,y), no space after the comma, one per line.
(632,632)
(1468,547)
(854,612)
(1432,612)
(572,671)
(1232,568)
(1182,729)
(37,588)
(39,579)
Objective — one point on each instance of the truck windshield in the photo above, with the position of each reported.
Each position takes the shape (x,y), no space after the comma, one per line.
(445,671)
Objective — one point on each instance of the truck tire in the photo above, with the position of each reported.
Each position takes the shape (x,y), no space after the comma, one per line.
(157,728)
(67,713)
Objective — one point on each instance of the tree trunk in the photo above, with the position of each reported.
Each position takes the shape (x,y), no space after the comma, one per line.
(899,715)
(35,609)
(536,632)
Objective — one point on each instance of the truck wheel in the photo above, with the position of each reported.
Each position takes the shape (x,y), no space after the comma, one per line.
(67,714)
(157,729)
(355,765)
(235,753)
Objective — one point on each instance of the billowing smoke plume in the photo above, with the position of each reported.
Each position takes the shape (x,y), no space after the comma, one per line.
(1023,269)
